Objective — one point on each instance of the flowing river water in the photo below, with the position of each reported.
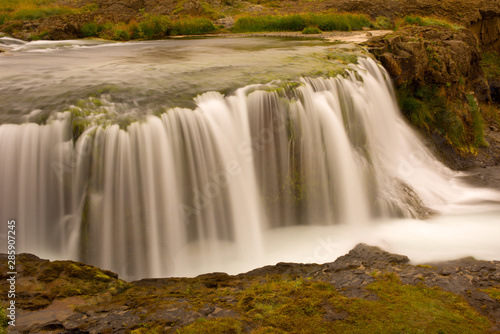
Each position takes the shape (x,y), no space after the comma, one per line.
(181,157)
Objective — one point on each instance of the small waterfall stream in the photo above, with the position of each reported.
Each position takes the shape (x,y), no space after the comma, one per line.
(143,198)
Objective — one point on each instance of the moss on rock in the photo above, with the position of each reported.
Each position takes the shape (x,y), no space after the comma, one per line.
(439,81)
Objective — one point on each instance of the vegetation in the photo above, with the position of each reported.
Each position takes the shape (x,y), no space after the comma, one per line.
(271,303)
(428,109)
(298,22)
(477,122)
(193,26)
(300,306)
(4,321)
(382,22)
(426,21)
(11,10)
(491,64)
(209,326)
(311,30)
(151,27)
(494,292)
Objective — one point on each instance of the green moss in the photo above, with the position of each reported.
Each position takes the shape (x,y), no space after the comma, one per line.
(4,321)
(209,326)
(51,272)
(493,292)
(490,63)
(477,122)
(292,306)
(425,266)
(149,328)
(460,124)
(345,58)
(69,291)
(427,21)
(298,306)
(411,309)
(278,304)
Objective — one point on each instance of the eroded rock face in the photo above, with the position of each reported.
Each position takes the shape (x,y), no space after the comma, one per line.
(444,63)
(416,55)
(169,304)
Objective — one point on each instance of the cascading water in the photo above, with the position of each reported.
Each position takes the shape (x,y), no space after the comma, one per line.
(191,187)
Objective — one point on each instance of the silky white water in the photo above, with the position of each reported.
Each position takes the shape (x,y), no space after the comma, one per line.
(265,174)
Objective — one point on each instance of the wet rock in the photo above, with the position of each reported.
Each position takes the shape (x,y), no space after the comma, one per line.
(366,256)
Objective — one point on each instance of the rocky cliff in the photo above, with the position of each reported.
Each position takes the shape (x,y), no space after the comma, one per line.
(443,91)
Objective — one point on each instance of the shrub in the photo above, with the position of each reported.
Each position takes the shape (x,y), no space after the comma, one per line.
(135,30)
(195,26)
(121,35)
(155,26)
(311,30)
(325,22)
(89,29)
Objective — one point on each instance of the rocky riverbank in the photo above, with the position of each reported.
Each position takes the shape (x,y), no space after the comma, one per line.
(443,91)
(363,291)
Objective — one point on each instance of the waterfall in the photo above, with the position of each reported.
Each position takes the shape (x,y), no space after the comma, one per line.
(130,198)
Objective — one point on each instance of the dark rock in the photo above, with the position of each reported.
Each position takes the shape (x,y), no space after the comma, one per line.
(292,269)
(433,55)
(364,256)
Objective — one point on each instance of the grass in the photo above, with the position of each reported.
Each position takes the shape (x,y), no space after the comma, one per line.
(298,22)
(491,113)
(311,31)
(426,21)
(192,26)
(490,63)
(29,10)
(151,27)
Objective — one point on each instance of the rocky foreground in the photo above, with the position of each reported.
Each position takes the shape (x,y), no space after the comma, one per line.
(366,291)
